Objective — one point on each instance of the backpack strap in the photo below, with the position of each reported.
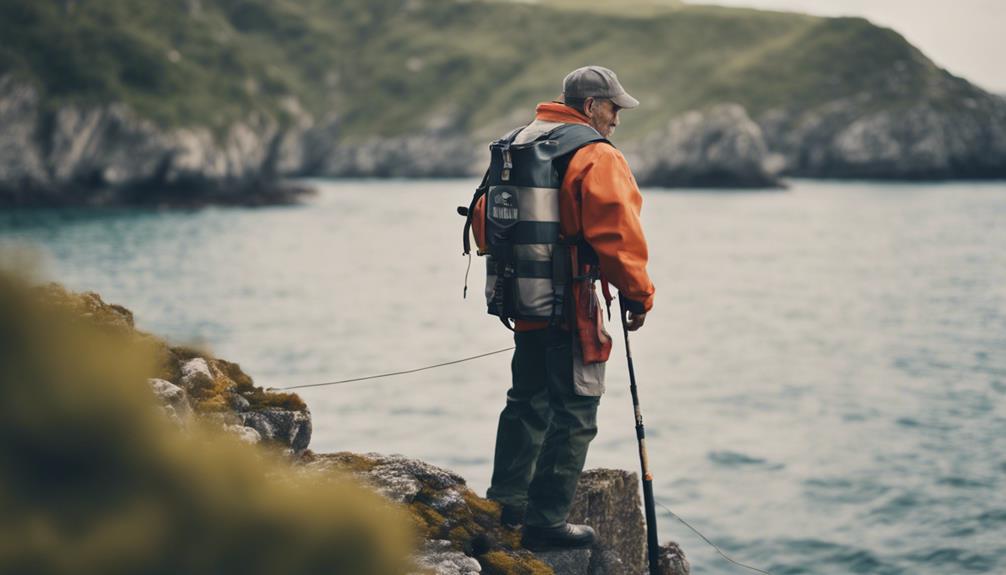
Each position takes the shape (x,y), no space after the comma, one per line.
(481,191)
(572,137)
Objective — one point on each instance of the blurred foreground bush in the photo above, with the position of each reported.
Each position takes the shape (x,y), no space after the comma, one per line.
(94,479)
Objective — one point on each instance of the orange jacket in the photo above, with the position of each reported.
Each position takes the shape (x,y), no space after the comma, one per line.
(600,199)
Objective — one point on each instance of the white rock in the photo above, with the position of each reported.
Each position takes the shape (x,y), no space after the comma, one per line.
(438,557)
(174,399)
(196,374)
(246,434)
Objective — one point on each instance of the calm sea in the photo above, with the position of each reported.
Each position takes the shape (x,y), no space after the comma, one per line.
(823,377)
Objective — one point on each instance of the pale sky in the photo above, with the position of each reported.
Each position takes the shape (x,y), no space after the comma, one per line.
(967,37)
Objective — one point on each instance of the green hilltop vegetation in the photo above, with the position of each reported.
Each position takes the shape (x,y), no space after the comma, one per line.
(388,67)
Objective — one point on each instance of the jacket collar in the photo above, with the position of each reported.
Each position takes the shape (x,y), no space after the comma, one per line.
(558,112)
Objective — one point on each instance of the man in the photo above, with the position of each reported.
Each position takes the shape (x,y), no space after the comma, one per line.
(558,364)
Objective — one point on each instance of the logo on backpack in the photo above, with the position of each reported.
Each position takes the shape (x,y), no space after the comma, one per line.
(504,207)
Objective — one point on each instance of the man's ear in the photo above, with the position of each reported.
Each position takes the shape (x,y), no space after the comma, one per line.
(587,105)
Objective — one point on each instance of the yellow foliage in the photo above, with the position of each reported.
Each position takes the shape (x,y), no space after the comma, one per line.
(500,563)
(94,480)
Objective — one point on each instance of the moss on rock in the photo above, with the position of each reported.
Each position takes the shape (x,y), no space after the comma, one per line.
(223,382)
(441,506)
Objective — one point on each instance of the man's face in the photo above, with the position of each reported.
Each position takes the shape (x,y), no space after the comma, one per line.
(603,115)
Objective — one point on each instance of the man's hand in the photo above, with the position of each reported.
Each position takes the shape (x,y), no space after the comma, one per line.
(634,321)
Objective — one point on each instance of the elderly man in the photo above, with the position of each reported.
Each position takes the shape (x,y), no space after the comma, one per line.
(557,211)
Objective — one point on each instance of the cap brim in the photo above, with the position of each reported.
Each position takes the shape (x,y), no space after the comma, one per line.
(624,100)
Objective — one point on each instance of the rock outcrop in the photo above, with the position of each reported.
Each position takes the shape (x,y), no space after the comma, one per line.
(958,131)
(463,531)
(104,155)
(718,147)
(193,383)
(101,155)
(107,155)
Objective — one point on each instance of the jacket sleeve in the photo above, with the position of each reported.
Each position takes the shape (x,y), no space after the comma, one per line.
(611,203)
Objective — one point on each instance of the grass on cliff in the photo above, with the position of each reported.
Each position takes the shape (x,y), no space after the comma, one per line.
(95,480)
(392,66)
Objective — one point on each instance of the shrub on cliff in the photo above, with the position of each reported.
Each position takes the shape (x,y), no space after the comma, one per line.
(93,479)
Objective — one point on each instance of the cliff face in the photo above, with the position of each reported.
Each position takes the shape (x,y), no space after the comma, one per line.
(955,131)
(109,155)
(719,147)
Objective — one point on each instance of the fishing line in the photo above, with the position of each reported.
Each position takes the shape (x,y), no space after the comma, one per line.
(378,376)
(711,544)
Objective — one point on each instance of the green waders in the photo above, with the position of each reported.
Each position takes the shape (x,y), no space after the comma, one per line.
(544,430)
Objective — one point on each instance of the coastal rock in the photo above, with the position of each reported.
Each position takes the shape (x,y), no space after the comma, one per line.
(284,426)
(196,375)
(459,523)
(958,131)
(608,501)
(718,147)
(21,161)
(399,478)
(439,557)
(107,154)
(673,560)
(173,400)
(244,433)
(568,561)
(428,155)
(190,382)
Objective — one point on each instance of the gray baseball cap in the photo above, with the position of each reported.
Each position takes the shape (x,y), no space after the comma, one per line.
(596,82)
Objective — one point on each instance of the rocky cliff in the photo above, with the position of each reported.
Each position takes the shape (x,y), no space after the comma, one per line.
(718,147)
(109,155)
(99,155)
(215,101)
(954,131)
(461,532)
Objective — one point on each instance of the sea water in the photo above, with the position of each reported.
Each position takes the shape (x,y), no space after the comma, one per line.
(823,377)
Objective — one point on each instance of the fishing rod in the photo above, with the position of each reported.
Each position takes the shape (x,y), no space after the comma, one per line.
(652,544)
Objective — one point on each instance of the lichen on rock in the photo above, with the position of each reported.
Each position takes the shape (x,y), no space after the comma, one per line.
(454,520)
(191,381)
